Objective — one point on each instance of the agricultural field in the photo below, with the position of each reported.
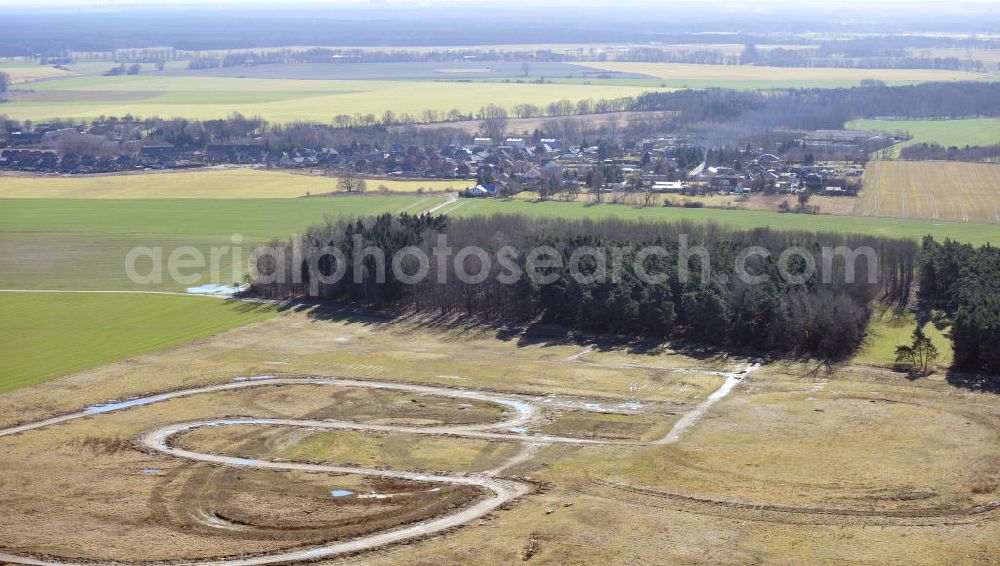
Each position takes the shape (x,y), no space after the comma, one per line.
(48,335)
(951,191)
(583,453)
(277,100)
(890,227)
(753,77)
(27,72)
(958,133)
(233,183)
(83,243)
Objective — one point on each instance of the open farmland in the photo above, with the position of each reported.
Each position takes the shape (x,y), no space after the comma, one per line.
(28,72)
(83,243)
(958,133)
(237,183)
(953,191)
(277,100)
(679,75)
(793,461)
(891,227)
(47,335)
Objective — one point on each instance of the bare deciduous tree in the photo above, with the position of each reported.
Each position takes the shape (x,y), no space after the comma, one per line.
(494,122)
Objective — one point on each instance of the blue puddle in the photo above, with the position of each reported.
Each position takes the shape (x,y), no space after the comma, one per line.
(341,493)
(108,407)
(151,471)
(212,290)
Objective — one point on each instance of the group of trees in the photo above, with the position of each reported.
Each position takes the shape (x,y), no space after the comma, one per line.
(4,82)
(937,152)
(695,292)
(964,282)
(830,56)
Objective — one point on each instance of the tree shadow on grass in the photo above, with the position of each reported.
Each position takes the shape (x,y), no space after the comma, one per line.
(974,381)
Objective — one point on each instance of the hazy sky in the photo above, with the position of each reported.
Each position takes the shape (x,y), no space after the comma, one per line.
(739,5)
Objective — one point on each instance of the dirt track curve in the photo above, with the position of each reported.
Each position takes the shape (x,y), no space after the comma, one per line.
(524,412)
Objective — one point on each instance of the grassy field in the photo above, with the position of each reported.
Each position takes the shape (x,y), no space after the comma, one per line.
(886,331)
(279,100)
(46,335)
(800,463)
(963,192)
(206,183)
(679,75)
(27,72)
(82,243)
(891,227)
(960,133)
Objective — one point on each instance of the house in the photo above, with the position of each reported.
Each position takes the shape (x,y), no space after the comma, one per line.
(517,143)
(478,191)
(668,187)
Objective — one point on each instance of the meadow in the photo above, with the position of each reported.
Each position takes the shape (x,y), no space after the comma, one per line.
(234,183)
(890,227)
(83,243)
(959,133)
(796,459)
(47,335)
(953,191)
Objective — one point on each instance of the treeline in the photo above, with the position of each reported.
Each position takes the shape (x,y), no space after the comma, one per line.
(934,151)
(964,281)
(695,294)
(826,108)
(825,56)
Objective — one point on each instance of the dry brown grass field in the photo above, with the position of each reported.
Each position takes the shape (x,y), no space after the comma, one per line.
(961,192)
(798,464)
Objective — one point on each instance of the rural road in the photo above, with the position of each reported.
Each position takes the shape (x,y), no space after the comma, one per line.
(523,413)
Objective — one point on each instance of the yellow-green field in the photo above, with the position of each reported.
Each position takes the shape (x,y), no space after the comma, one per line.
(279,100)
(751,77)
(937,190)
(27,72)
(45,335)
(206,183)
(959,133)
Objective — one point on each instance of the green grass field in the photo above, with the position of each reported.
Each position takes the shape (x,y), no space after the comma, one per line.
(897,228)
(960,133)
(241,183)
(886,331)
(46,335)
(279,100)
(83,243)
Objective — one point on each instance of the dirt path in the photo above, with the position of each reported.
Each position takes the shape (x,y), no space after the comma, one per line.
(693,416)
(452,197)
(522,414)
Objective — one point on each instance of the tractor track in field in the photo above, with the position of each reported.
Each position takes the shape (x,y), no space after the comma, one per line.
(942,513)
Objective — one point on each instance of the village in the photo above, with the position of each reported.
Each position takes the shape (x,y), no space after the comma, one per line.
(670,165)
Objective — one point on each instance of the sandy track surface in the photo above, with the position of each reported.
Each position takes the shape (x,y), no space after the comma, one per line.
(523,412)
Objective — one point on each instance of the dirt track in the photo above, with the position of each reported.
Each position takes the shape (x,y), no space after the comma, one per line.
(503,490)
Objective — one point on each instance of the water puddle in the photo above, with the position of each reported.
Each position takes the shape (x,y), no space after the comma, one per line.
(212,289)
(108,407)
(252,377)
(151,471)
(341,493)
